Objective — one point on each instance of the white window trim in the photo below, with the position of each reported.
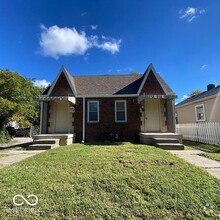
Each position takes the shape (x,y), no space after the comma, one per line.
(197,106)
(125,103)
(88,119)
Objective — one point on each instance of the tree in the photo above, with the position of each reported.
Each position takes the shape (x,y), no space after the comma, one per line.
(195,92)
(18,99)
(134,72)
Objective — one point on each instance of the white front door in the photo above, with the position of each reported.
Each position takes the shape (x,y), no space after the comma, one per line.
(152,115)
(61,117)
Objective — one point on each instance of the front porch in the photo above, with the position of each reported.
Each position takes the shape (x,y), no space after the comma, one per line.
(48,141)
(166,141)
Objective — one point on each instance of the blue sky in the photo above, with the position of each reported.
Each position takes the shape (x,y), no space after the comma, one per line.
(181,39)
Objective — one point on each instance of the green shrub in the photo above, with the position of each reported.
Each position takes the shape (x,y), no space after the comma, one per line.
(4,137)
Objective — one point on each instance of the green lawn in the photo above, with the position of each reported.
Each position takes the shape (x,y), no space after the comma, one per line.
(213,156)
(109,182)
(202,145)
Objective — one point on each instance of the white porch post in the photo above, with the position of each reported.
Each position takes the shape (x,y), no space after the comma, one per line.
(41,116)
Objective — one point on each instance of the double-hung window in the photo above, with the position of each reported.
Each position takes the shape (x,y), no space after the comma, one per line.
(200,113)
(93,111)
(120,111)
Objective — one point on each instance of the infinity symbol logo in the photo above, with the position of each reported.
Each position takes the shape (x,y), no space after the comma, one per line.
(19,204)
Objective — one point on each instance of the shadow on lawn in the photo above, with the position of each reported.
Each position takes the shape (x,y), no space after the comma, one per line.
(107,143)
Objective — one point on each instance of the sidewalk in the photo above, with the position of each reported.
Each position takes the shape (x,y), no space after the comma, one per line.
(16,156)
(191,156)
(21,141)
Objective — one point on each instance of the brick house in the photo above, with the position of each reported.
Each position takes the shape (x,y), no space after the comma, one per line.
(107,107)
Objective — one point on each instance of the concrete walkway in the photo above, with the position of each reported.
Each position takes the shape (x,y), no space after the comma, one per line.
(18,141)
(16,156)
(191,156)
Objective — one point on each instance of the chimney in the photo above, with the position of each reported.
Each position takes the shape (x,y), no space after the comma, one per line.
(210,86)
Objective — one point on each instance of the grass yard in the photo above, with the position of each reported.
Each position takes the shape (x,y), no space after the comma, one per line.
(213,156)
(202,145)
(124,181)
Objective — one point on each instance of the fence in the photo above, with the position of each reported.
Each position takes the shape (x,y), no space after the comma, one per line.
(208,133)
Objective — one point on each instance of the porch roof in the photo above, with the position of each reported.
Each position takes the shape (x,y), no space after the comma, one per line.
(58,98)
(142,97)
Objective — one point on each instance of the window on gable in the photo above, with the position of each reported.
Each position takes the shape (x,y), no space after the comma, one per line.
(120,111)
(200,113)
(93,111)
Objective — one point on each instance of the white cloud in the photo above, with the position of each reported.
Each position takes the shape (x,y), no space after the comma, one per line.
(204,66)
(94,27)
(41,83)
(190,13)
(56,41)
(185,97)
(202,11)
(112,47)
(84,14)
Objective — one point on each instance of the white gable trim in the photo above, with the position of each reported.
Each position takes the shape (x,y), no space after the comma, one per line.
(68,80)
(151,68)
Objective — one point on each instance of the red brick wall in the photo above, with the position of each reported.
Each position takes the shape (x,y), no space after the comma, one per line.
(78,118)
(62,87)
(101,131)
(152,86)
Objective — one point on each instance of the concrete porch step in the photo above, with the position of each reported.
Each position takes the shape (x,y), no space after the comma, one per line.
(47,141)
(166,140)
(40,146)
(170,146)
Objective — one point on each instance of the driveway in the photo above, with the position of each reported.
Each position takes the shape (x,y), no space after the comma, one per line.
(191,156)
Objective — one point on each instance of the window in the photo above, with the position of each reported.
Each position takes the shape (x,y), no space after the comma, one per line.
(200,113)
(93,111)
(120,111)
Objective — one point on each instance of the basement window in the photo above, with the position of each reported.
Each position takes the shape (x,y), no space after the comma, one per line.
(200,113)
(120,111)
(93,111)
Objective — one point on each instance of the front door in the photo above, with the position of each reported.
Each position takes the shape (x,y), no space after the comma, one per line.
(61,117)
(152,115)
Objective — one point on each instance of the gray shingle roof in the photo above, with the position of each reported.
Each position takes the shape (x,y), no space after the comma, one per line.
(107,85)
(200,96)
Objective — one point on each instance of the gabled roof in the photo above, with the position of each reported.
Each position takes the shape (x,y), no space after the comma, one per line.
(201,96)
(109,85)
(68,77)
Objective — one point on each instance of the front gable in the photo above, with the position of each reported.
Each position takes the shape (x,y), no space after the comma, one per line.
(152,86)
(152,83)
(62,86)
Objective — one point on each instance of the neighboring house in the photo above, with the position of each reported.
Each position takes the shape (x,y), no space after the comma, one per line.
(103,107)
(204,107)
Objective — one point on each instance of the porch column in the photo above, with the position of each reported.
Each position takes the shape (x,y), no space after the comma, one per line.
(171,125)
(43,117)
